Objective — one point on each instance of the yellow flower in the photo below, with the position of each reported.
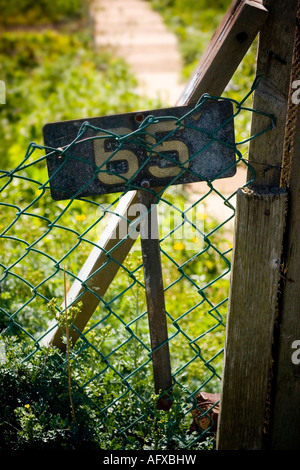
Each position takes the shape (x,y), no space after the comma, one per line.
(80,217)
(179,246)
(27,406)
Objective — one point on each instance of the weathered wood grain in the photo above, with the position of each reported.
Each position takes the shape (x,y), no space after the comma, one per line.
(273,68)
(260,220)
(226,50)
(285,429)
(154,289)
(98,271)
(247,401)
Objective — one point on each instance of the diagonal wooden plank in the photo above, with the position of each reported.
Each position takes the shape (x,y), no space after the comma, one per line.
(226,50)
(99,270)
(243,16)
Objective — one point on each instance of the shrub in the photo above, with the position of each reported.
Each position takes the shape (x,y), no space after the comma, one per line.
(36,413)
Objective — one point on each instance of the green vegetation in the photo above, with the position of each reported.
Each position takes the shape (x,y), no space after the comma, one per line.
(35,412)
(31,12)
(53,75)
(193,22)
(111,373)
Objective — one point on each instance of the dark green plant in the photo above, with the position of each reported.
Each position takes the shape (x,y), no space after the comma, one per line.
(35,411)
(36,414)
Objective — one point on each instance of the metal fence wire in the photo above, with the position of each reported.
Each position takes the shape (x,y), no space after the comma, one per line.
(46,250)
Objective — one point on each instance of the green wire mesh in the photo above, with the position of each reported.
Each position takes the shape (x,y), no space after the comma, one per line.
(42,239)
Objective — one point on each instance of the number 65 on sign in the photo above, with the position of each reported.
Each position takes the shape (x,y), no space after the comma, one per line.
(161,147)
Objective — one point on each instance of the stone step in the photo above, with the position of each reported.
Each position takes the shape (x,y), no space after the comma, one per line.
(135,32)
(147,35)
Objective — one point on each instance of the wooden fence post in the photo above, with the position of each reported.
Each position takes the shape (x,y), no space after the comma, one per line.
(285,418)
(261,213)
(273,68)
(259,222)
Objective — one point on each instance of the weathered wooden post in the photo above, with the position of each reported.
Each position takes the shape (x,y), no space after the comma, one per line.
(154,290)
(259,227)
(246,401)
(285,417)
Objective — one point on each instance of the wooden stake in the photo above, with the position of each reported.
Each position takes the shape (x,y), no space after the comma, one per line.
(99,270)
(155,297)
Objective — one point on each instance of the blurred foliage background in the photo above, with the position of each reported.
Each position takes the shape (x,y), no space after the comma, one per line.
(29,12)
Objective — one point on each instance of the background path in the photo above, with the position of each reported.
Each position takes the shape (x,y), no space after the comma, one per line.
(133,31)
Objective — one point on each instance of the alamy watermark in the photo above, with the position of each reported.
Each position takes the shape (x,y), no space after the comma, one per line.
(184,225)
(296,344)
(2,92)
(296,353)
(296,93)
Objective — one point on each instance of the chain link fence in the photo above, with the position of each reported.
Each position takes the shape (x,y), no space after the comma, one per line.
(50,227)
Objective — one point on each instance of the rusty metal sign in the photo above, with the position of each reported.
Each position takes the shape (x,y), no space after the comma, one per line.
(141,149)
